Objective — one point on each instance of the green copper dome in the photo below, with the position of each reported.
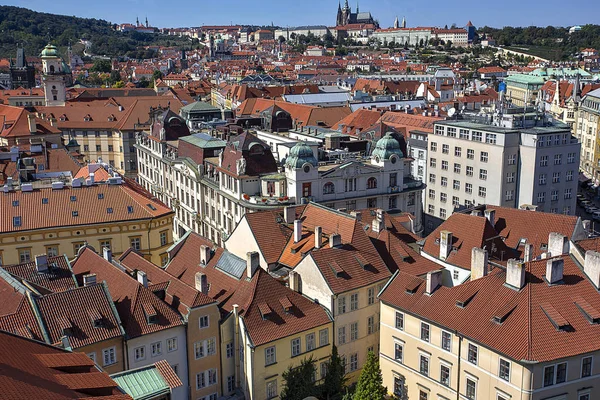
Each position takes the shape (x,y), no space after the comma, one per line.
(300,154)
(50,51)
(386,147)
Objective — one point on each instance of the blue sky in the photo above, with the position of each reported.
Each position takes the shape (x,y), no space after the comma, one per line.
(180,13)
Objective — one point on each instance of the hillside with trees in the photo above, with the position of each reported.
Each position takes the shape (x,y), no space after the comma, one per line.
(35,29)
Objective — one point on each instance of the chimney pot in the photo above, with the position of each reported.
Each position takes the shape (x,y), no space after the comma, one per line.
(297,230)
(515,274)
(479,263)
(142,278)
(554,270)
(335,240)
(252,263)
(201,282)
(318,237)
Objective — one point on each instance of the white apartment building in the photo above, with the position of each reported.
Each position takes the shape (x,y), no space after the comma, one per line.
(588,121)
(473,163)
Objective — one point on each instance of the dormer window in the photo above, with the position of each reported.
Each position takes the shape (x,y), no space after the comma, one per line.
(96,317)
(130,209)
(87,118)
(150,313)
(265,310)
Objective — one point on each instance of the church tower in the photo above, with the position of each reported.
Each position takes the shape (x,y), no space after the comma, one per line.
(54,77)
(403,22)
(396,23)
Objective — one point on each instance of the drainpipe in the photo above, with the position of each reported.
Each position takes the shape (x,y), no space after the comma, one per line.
(236,345)
(460,339)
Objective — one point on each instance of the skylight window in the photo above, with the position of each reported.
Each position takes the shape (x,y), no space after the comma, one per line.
(16,221)
(151,206)
(100,196)
(45,200)
(15,203)
(75,213)
(130,209)
(73,198)
(109,210)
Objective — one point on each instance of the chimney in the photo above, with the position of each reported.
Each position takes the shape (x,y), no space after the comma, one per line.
(41,263)
(378,222)
(335,240)
(479,263)
(554,270)
(297,230)
(107,254)
(201,282)
(490,215)
(142,278)
(445,244)
(476,213)
(89,280)
(92,175)
(515,274)
(204,254)
(293,280)
(318,237)
(434,280)
(289,214)
(557,244)
(591,267)
(357,215)
(252,263)
(528,252)
(31,123)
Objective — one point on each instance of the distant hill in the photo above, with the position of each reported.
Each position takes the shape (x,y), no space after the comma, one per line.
(35,29)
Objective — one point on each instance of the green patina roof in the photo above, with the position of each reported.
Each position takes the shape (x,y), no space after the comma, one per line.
(300,154)
(143,383)
(204,141)
(50,51)
(561,72)
(199,106)
(386,147)
(525,79)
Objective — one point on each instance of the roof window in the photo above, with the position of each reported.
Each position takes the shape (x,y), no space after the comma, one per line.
(17,221)
(109,210)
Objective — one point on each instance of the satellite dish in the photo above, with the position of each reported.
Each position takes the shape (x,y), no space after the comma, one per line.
(451,112)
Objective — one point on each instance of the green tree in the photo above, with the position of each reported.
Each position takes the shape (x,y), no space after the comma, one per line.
(101,65)
(115,76)
(300,381)
(335,378)
(370,384)
(157,74)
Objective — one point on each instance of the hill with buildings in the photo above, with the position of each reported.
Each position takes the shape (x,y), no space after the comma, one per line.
(35,29)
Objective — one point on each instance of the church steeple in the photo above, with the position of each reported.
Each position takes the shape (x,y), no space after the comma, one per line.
(146,21)
(396,23)
(403,22)
(137,21)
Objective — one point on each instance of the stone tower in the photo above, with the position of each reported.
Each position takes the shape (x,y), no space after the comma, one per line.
(54,77)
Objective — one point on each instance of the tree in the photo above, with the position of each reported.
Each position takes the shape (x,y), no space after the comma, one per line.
(300,381)
(115,76)
(157,74)
(370,384)
(101,65)
(335,378)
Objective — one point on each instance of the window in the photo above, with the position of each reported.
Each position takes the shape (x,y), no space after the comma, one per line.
(543,161)
(423,395)
(567,193)
(470,154)
(98,148)
(109,356)
(549,376)
(296,347)
(512,159)
(140,353)
(324,369)
(371,296)
(16,221)
(586,367)
(469,171)
(270,355)
(457,168)
(306,189)
(135,243)
(424,331)
(372,325)
(354,302)
(541,197)
(463,134)
(341,304)
(451,132)
(561,372)
(457,152)
(542,179)
(569,176)
(483,174)
(353,331)
(431,209)
(171,344)
(555,177)
(468,188)
(424,365)
(310,342)
(484,156)
(509,195)
(570,158)
(24,255)
(482,191)
(342,335)
(557,159)
(230,383)
(510,177)
(350,185)
(229,350)
(433,146)
(455,201)
(445,165)
(52,251)
(445,375)
(324,337)
(443,197)
(444,181)
(92,356)
(446,340)
(431,178)
(399,320)
(471,389)
(372,183)
(156,349)
(445,148)
(472,354)
(163,238)
(272,389)
(398,352)
(432,162)
(490,138)
(353,362)
(476,136)
(442,213)
(455,275)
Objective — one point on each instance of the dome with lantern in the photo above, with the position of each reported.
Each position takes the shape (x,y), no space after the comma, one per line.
(386,147)
(299,155)
(50,51)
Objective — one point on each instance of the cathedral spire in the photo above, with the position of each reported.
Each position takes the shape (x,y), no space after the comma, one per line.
(396,23)
(357,7)
(346,5)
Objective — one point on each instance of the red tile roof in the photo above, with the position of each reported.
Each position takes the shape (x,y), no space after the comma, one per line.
(57,278)
(16,314)
(526,333)
(33,370)
(129,295)
(168,374)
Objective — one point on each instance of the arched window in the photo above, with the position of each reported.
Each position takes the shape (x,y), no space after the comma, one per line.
(372,183)
(52,69)
(328,188)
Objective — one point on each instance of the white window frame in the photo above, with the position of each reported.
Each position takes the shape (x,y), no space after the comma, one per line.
(500,369)
(202,318)
(270,355)
(296,346)
(156,349)
(476,353)
(111,351)
(442,341)
(171,345)
(137,351)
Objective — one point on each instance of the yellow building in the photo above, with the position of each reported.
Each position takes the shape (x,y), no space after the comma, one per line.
(588,125)
(523,89)
(115,213)
(519,332)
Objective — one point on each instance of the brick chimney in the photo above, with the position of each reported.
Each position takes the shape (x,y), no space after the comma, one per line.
(297,230)
(554,270)
(318,237)
(142,278)
(32,124)
(515,274)
(201,282)
(591,267)
(378,223)
(528,252)
(335,240)
(479,263)
(252,263)
(204,254)
(289,214)
(490,215)
(434,280)
(557,244)
(445,244)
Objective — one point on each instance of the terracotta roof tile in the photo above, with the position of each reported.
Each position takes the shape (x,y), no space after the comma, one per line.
(57,277)
(168,374)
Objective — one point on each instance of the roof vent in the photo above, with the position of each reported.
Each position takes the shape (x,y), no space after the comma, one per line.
(58,185)
(89,279)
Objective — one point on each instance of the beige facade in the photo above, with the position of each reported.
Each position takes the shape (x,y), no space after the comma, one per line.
(456,367)
(588,124)
(107,354)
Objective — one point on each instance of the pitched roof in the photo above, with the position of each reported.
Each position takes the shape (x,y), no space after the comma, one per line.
(58,276)
(33,370)
(16,314)
(409,121)
(86,311)
(131,297)
(359,119)
(527,332)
